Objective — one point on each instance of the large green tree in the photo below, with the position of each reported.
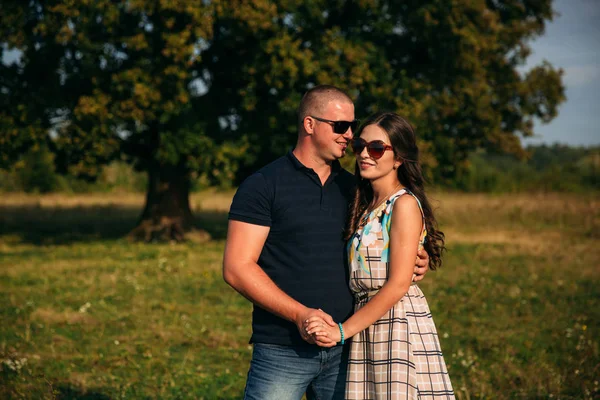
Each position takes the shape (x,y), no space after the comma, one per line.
(103,79)
(211,87)
(453,67)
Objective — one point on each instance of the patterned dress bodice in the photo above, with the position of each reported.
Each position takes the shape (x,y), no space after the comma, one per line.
(368,248)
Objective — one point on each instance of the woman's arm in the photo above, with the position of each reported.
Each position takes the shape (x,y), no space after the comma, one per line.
(405,232)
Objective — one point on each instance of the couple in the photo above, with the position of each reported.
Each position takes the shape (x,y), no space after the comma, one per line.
(318,278)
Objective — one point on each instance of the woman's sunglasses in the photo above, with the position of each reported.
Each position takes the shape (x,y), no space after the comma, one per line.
(339,127)
(376,148)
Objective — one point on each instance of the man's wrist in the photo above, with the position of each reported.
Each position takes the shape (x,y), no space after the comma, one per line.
(298,313)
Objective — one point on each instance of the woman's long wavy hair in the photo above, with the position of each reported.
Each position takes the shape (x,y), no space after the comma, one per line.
(402,139)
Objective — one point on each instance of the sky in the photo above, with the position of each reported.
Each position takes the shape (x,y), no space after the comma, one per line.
(572,42)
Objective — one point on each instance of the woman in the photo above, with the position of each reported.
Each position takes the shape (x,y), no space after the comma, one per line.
(395,351)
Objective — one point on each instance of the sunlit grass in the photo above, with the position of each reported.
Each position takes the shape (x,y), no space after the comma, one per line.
(87,314)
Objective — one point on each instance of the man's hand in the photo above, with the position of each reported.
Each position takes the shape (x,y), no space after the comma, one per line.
(305,316)
(422,265)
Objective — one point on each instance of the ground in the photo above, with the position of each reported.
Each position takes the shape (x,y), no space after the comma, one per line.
(87,314)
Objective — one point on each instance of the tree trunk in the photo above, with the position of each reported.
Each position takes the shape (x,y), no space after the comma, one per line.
(167,215)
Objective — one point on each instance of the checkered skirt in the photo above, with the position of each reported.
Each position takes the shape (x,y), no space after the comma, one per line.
(399,356)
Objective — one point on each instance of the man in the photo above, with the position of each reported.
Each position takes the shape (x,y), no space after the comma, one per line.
(286,254)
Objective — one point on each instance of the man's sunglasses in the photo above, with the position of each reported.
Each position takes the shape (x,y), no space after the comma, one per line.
(339,127)
(376,148)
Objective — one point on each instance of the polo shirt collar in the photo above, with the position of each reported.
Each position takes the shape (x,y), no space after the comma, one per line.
(335,165)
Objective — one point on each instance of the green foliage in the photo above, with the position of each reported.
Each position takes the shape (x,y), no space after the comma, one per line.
(450,67)
(117,79)
(161,83)
(36,173)
(33,171)
(224,162)
(547,168)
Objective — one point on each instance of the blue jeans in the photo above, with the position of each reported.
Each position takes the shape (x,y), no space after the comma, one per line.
(287,372)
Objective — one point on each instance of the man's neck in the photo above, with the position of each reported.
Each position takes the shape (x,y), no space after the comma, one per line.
(310,160)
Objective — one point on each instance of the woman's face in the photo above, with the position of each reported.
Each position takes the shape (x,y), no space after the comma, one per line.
(370,167)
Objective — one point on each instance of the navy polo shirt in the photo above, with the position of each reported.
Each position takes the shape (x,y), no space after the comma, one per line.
(304,253)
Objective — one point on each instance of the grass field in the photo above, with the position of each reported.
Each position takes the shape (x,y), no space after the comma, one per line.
(86,314)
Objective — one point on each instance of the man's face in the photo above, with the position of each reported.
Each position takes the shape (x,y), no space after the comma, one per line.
(331,145)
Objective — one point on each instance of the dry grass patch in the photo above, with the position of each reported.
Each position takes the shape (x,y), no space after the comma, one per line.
(517,237)
(208,200)
(70,317)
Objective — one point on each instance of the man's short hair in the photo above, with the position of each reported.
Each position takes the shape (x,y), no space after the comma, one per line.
(316,99)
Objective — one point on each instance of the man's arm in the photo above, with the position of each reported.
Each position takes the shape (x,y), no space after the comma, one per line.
(240,270)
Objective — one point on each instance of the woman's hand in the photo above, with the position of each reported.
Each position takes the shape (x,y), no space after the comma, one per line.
(323,334)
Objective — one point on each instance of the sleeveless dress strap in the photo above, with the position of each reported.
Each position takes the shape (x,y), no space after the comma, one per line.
(390,206)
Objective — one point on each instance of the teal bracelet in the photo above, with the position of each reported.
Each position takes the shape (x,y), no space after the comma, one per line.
(341,332)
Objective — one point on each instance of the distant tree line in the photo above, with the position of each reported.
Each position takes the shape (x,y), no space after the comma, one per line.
(545,168)
(555,168)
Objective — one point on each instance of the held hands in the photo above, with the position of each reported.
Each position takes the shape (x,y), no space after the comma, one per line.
(421,265)
(317,327)
(311,313)
(322,332)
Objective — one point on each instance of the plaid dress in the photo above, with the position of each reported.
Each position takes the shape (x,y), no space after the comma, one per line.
(399,356)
